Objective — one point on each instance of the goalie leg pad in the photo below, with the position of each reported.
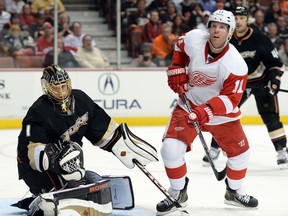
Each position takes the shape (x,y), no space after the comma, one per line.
(121,189)
(121,192)
(133,147)
(94,199)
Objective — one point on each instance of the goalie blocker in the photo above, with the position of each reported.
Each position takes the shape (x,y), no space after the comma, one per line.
(126,146)
(100,198)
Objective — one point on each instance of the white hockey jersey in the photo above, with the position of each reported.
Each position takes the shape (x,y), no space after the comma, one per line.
(218,81)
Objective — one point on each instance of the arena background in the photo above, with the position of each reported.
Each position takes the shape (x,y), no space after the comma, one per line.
(137,97)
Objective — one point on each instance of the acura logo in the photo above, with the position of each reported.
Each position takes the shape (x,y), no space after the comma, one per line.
(108,84)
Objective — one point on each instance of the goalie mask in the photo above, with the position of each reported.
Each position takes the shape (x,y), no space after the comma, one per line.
(56,84)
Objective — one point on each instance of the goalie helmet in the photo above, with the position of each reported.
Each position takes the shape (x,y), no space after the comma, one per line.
(56,84)
(225,17)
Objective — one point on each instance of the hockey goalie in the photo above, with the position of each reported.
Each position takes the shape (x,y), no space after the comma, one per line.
(50,157)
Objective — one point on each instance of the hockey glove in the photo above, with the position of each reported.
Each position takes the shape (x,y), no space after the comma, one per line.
(65,160)
(177,79)
(201,114)
(274,81)
(126,146)
(49,158)
(71,162)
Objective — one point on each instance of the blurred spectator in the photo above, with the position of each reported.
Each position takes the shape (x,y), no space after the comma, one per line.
(4,15)
(282,27)
(74,40)
(144,60)
(283,53)
(36,29)
(44,6)
(89,56)
(134,23)
(208,5)
(137,17)
(14,6)
(65,57)
(170,13)
(179,27)
(220,5)
(196,16)
(45,43)
(14,20)
(49,15)
(63,25)
(203,24)
(16,44)
(163,46)
(272,34)
(159,5)
(184,9)
(284,7)
(274,11)
(259,21)
(26,18)
(151,30)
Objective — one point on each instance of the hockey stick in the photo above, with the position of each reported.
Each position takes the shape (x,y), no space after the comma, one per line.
(160,187)
(266,87)
(219,175)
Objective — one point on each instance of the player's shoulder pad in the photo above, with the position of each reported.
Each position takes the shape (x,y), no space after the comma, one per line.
(235,62)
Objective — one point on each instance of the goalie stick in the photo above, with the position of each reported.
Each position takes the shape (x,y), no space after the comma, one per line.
(160,187)
(219,175)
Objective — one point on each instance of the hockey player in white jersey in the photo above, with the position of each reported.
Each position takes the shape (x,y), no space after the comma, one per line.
(213,75)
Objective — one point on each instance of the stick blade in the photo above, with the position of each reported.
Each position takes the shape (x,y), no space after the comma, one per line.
(222,174)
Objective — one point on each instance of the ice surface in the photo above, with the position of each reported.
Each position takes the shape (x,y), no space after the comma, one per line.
(264,180)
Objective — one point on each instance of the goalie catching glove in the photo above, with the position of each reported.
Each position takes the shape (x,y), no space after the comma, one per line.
(66,160)
(126,146)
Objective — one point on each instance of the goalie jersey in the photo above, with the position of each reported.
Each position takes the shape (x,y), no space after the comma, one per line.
(43,125)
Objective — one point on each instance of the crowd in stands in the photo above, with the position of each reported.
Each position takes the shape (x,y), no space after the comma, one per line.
(149,28)
(27,36)
(143,23)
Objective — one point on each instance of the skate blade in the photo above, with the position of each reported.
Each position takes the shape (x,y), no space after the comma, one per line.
(283,166)
(233,203)
(174,212)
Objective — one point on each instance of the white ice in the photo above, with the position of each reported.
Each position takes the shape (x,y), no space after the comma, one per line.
(264,180)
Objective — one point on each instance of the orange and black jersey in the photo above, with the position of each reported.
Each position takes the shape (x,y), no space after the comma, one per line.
(259,54)
(43,124)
